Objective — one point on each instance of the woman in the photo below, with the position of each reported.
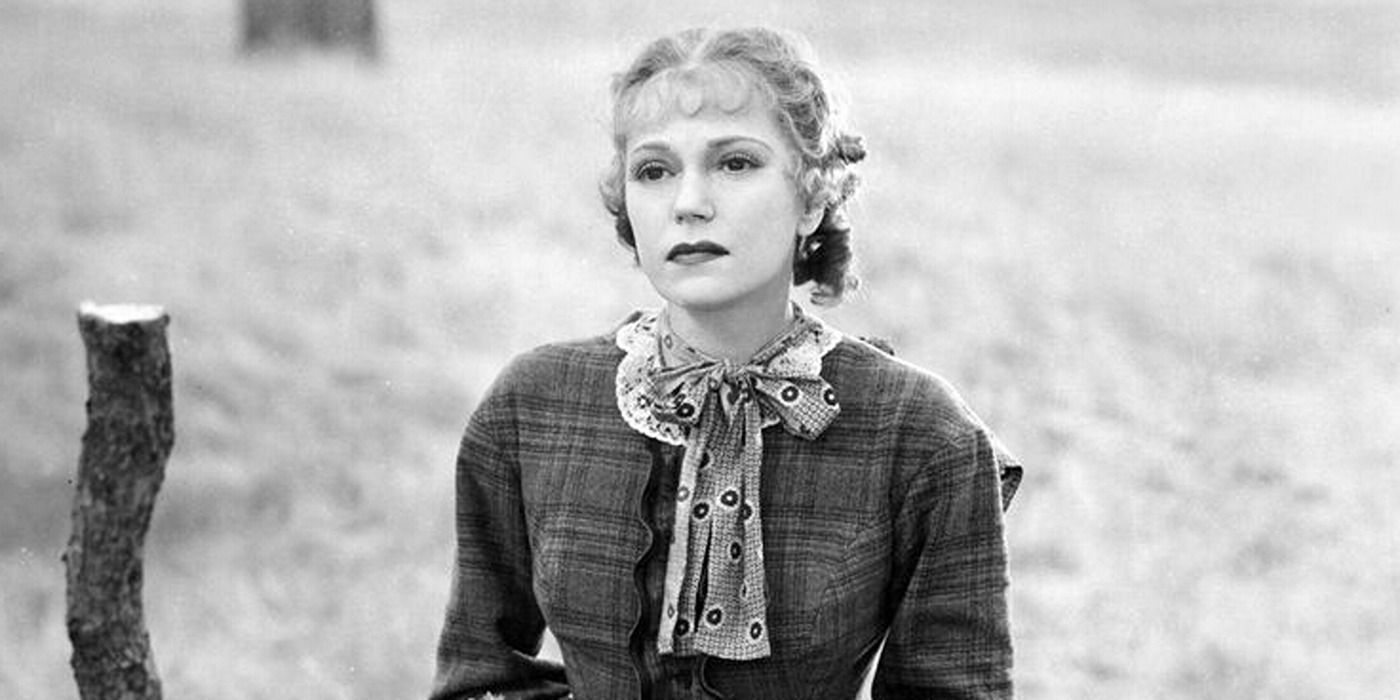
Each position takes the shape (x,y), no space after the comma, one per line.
(727,497)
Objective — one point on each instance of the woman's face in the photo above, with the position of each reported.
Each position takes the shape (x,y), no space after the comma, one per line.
(714,206)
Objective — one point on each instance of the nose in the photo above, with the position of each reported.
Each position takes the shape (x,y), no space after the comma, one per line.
(693,201)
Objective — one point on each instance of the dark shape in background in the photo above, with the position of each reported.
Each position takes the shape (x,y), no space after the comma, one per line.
(286,24)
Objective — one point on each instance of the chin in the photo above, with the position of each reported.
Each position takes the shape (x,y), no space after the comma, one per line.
(699,295)
(701,302)
(713,295)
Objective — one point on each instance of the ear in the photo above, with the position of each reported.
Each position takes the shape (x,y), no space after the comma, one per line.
(809,221)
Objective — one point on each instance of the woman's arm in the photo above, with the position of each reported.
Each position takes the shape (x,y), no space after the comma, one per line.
(494,627)
(950,637)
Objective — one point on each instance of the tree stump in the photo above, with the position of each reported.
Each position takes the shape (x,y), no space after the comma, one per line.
(282,24)
(129,434)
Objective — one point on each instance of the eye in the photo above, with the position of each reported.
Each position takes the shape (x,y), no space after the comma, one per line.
(650,171)
(738,163)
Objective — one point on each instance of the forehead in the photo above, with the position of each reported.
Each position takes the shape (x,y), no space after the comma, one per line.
(709,89)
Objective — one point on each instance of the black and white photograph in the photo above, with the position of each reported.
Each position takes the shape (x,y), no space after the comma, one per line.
(731,350)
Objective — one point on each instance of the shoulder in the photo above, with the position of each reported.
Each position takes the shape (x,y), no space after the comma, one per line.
(559,368)
(874,385)
(550,383)
(918,419)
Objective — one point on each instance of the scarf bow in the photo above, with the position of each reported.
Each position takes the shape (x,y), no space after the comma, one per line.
(715,594)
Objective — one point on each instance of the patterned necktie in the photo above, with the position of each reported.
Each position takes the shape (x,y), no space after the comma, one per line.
(715,596)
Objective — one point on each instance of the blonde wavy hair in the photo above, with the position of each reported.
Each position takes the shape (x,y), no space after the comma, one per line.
(782,67)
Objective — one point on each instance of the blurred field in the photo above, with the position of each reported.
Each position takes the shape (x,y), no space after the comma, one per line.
(1155,243)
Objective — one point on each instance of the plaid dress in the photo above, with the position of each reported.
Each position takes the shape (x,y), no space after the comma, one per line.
(887,529)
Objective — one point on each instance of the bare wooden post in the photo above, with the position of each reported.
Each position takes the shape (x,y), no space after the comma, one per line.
(129,434)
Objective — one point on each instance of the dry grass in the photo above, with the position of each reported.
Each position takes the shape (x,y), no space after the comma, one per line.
(1154,243)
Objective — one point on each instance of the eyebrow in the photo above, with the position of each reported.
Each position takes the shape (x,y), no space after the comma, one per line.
(715,144)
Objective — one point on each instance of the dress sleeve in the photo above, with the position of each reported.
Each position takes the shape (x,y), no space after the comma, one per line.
(494,628)
(950,635)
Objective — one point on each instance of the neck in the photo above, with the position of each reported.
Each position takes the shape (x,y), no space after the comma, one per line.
(728,333)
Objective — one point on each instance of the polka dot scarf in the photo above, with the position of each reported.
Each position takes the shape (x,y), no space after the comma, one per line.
(715,597)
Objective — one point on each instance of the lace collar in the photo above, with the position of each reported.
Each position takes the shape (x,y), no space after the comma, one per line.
(641,338)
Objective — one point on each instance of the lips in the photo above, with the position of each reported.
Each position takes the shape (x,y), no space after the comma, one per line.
(697,252)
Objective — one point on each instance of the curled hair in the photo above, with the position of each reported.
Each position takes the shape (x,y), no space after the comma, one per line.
(783,69)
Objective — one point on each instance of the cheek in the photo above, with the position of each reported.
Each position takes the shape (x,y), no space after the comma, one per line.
(644,204)
(778,216)
(639,214)
(646,227)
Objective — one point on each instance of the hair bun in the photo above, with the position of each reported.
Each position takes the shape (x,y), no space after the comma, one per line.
(850,148)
